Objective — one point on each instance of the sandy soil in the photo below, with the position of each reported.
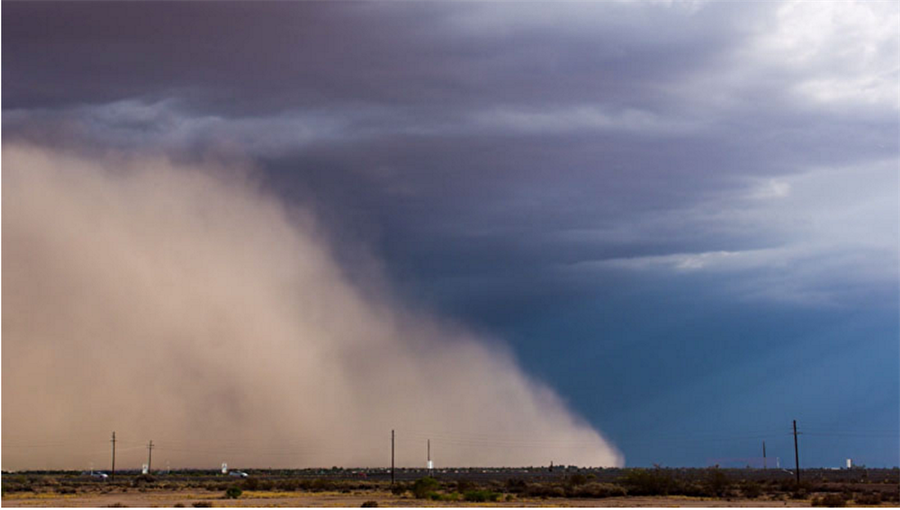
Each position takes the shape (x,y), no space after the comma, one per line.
(384,499)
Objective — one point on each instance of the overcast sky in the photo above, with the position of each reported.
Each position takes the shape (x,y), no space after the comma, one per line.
(683,216)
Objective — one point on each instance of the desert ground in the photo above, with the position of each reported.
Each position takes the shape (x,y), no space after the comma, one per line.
(384,499)
(526,487)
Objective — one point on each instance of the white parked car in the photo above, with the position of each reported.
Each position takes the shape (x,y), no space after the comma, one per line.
(239,474)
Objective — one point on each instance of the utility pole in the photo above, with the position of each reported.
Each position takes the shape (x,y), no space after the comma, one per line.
(796,454)
(429,456)
(765,463)
(392,457)
(149,456)
(113,441)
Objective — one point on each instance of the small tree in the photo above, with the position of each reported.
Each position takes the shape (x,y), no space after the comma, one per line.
(233,493)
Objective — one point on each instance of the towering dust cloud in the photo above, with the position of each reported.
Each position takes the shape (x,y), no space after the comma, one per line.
(183,305)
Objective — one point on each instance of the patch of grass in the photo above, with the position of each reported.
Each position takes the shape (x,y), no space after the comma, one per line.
(437,496)
(269,494)
(369,504)
(830,500)
(39,495)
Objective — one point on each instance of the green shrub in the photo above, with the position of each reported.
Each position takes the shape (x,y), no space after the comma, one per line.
(423,486)
(437,496)
(399,489)
(596,490)
(465,485)
(319,485)
(799,494)
(481,496)
(516,485)
(288,485)
(369,504)
(537,490)
(142,479)
(233,493)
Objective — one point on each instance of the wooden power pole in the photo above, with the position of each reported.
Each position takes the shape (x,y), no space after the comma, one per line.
(796,454)
(149,456)
(392,457)
(113,441)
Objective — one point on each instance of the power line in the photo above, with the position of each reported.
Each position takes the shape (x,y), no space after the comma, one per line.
(850,434)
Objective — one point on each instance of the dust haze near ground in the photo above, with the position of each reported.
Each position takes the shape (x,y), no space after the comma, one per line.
(184,305)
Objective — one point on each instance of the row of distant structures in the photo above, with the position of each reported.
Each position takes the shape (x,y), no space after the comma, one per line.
(758,462)
(145,470)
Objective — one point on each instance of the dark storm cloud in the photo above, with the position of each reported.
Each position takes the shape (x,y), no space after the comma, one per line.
(510,160)
(610,130)
(276,56)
